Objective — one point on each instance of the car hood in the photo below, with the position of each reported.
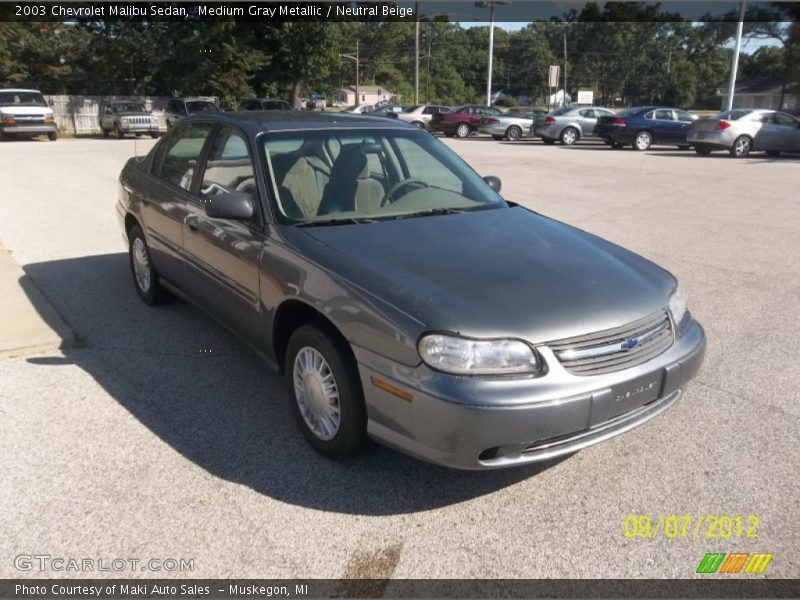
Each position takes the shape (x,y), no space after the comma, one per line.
(24,111)
(492,273)
(133,114)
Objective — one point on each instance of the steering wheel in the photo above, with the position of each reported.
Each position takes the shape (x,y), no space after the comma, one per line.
(387,197)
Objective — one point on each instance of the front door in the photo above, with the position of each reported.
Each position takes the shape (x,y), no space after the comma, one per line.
(222,255)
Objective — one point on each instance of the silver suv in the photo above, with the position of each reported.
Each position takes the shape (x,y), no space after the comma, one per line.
(127,116)
(180,108)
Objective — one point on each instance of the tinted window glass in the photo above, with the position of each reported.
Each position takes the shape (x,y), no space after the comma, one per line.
(733,115)
(664,115)
(587,113)
(784,120)
(201,106)
(182,152)
(21,99)
(684,116)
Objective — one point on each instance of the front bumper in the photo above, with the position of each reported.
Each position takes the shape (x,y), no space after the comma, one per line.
(483,423)
(140,128)
(37,129)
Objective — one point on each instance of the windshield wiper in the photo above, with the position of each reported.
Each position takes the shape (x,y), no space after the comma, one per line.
(433,211)
(339,221)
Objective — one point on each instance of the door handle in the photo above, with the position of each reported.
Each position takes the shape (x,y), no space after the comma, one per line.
(192,224)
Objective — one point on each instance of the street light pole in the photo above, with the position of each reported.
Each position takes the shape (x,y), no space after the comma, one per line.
(735,64)
(416,53)
(565,69)
(491,51)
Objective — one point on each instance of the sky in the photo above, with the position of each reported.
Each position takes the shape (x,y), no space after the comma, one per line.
(749,45)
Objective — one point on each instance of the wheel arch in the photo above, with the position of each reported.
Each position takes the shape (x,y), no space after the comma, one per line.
(130,223)
(292,314)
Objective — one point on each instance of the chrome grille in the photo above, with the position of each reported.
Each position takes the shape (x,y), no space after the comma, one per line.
(615,349)
(139,120)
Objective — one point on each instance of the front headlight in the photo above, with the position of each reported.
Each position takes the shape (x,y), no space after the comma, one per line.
(462,356)
(123,122)
(677,305)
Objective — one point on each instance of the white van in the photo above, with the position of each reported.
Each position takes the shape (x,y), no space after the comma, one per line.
(26,112)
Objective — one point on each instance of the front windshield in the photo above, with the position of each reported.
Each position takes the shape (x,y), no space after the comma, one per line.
(121,107)
(196,106)
(22,99)
(329,176)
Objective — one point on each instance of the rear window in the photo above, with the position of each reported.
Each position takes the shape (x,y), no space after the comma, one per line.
(733,115)
(200,106)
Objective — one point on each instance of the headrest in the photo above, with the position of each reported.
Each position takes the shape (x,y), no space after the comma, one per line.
(351,163)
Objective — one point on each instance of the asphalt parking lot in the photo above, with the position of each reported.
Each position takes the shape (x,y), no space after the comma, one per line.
(161,436)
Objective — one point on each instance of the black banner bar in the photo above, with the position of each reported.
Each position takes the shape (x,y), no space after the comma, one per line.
(269,11)
(714,586)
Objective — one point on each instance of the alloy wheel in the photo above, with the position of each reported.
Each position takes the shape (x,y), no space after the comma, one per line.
(141,266)
(643,140)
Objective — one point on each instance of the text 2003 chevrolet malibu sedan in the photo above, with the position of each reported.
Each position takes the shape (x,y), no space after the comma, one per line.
(401,296)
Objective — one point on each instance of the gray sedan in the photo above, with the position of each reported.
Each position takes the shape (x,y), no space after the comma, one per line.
(569,124)
(743,130)
(401,296)
(511,125)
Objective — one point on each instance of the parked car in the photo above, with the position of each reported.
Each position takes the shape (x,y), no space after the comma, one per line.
(389,111)
(348,253)
(26,112)
(743,130)
(265,104)
(643,126)
(511,125)
(125,116)
(421,114)
(179,108)
(359,109)
(462,120)
(569,124)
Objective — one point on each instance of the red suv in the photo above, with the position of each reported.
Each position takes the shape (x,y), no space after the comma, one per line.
(462,119)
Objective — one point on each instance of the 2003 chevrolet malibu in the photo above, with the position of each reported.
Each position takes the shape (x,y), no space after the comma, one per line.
(401,296)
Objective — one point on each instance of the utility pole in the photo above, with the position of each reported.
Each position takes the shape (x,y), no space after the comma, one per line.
(491,51)
(416,53)
(358,96)
(428,78)
(565,69)
(735,65)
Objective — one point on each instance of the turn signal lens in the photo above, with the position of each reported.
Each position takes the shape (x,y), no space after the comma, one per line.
(9,120)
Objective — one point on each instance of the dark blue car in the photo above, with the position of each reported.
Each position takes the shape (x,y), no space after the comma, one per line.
(643,126)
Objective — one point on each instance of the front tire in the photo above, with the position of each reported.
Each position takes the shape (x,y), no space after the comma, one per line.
(325,392)
(741,147)
(52,136)
(418,124)
(120,133)
(145,276)
(513,133)
(642,141)
(462,130)
(569,136)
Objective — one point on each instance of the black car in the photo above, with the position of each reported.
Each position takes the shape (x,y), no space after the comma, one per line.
(265,104)
(643,126)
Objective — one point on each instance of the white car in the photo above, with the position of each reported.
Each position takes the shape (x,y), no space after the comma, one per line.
(421,115)
(359,109)
(25,112)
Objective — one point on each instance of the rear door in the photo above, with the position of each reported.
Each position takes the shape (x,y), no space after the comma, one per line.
(222,255)
(684,120)
(787,132)
(665,127)
(165,196)
(587,119)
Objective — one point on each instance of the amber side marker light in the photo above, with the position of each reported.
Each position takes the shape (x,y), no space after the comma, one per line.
(388,387)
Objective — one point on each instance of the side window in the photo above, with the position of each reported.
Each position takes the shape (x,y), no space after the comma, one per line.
(601,112)
(429,110)
(683,116)
(650,115)
(664,115)
(229,167)
(784,120)
(422,165)
(181,154)
(587,113)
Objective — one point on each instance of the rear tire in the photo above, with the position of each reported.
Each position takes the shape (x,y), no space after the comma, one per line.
(741,147)
(569,136)
(154,136)
(642,141)
(462,130)
(325,392)
(145,277)
(513,133)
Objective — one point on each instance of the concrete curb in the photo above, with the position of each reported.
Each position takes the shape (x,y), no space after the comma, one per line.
(28,322)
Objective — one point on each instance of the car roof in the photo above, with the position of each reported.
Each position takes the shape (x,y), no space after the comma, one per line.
(256,121)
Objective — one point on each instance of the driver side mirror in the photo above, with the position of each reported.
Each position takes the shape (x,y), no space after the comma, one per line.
(233,205)
(494,182)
